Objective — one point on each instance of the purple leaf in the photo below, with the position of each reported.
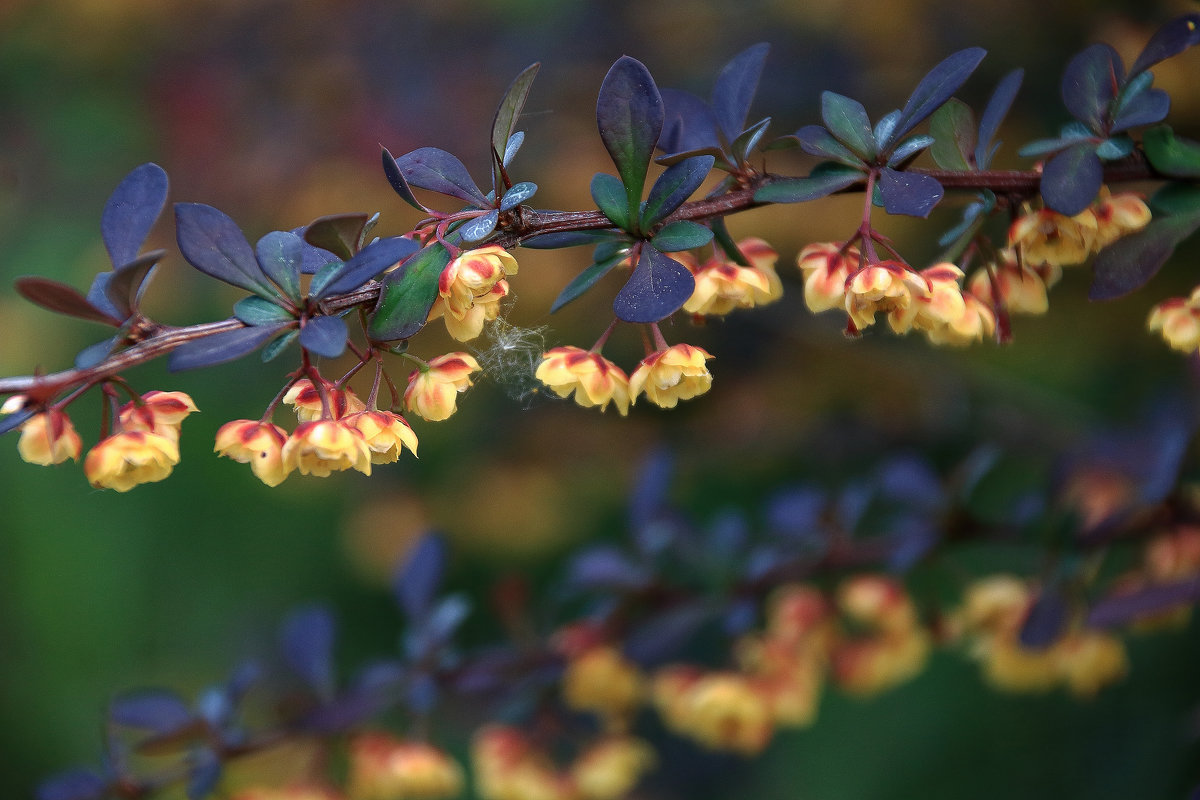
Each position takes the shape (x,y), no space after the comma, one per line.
(517,194)
(817,141)
(158,710)
(909,193)
(662,636)
(203,774)
(63,299)
(586,280)
(220,347)
(629,115)
(606,568)
(796,512)
(408,294)
(935,88)
(1045,621)
(324,336)
(396,178)
(689,124)
(504,124)
(15,420)
(367,264)
(825,179)
(1131,261)
(438,171)
(677,183)
(734,89)
(281,257)
(847,120)
(124,288)
(131,212)
(93,354)
(658,287)
(340,234)
(1171,39)
(417,580)
(1072,179)
(75,784)
(1121,609)
(1147,108)
(212,243)
(480,227)
(306,642)
(255,310)
(1089,84)
(995,112)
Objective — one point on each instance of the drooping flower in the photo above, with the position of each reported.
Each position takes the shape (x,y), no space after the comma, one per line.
(1020,288)
(157,412)
(325,446)
(601,680)
(940,304)
(826,266)
(1118,215)
(259,444)
(610,768)
(298,791)
(1177,319)
(386,434)
(885,286)
(507,766)
(1048,237)
(129,458)
(432,392)
(49,438)
(470,289)
(723,285)
(720,710)
(306,399)
(383,767)
(976,322)
(670,375)
(593,379)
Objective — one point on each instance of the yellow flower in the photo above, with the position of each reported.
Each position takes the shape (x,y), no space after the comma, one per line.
(128,458)
(386,434)
(324,446)
(508,767)
(432,392)
(306,399)
(723,285)
(976,322)
(878,601)
(877,663)
(787,673)
(470,289)
(611,767)
(939,304)
(157,412)
(49,438)
(1090,660)
(886,286)
(724,711)
(299,791)
(826,267)
(385,768)
(1021,289)
(602,680)
(259,444)
(594,379)
(1118,215)
(1178,320)
(668,376)
(1048,237)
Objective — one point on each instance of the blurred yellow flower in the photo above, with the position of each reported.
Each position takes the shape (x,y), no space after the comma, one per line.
(383,767)
(49,438)
(129,458)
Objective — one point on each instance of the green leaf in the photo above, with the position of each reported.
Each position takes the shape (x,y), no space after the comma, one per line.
(608,193)
(1170,154)
(953,130)
(255,310)
(408,294)
(682,235)
(629,114)
(672,188)
(827,178)
(586,279)
(340,234)
(847,120)
(272,350)
(505,121)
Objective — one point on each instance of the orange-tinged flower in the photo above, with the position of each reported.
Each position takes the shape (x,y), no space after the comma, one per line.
(1089,660)
(128,458)
(886,286)
(299,791)
(594,379)
(432,392)
(878,601)
(306,399)
(507,766)
(1178,320)
(602,680)
(940,304)
(1174,555)
(1021,289)
(1008,665)
(259,444)
(721,710)
(826,267)
(158,412)
(787,674)
(475,278)
(325,446)
(976,322)
(386,434)
(49,438)
(1118,215)
(1048,237)
(611,767)
(723,285)
(385,768)
(668,376)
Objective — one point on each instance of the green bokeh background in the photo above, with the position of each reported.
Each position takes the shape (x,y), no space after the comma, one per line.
(274,111)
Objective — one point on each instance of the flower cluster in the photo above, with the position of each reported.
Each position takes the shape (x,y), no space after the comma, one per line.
(665,376)
(383,767)
(1048,237)
(723,285)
